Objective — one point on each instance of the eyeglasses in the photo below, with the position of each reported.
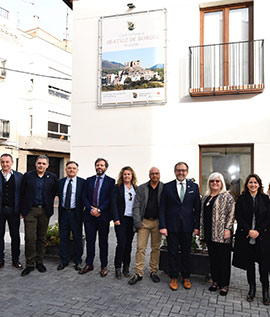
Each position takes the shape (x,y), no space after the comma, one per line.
(215,181)
(181,171)
(130,196)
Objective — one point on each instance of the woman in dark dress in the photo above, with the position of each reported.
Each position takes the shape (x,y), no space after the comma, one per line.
(216,227)
(252,239)
(122,203)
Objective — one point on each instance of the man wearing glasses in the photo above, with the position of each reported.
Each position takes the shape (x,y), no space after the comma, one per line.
(179,215)
(145,220)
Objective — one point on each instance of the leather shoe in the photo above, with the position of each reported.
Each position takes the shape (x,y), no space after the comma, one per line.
(104,272)
(2,263)
(77,267)
(41,267)
(61,266)
(186,283)
(27,270)
(155,278)
(173,284)
(86,269)
(224,291)
(17,265)
(118,274)
(136,278)
(213,287)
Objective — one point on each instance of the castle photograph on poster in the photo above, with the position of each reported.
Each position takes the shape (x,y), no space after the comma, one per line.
(132,59)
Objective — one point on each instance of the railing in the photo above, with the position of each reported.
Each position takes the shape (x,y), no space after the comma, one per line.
(227,68)
(4,129)
(4,13)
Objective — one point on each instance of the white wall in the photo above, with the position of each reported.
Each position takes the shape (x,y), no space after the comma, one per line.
(162,135)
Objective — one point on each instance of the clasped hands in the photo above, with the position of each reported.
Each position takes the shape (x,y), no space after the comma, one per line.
(253,234)
(94,212)
(164,231)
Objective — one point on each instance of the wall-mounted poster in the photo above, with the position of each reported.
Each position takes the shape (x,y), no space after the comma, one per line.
(132,59)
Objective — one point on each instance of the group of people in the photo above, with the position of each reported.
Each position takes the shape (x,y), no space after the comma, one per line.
(175,210)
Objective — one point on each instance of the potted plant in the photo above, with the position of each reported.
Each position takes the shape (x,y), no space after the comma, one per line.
(53,241)
(199,258)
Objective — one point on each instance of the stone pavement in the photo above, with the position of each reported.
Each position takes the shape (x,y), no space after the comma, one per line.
(66,293)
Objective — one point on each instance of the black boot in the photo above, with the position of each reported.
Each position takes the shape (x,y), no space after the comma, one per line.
(251,292)
(265,293)
(126,270)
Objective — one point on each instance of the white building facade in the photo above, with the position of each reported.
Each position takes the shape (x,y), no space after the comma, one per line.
(216,114)
(35,89)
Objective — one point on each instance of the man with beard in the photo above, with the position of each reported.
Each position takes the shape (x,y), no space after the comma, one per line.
(179,216)
(97,216)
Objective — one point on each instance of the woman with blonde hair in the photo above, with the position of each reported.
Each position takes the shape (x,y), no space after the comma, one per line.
(216,228)
(122,203)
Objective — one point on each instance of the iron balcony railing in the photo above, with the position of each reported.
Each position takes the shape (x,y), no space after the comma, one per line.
(227,68)
(4,129)
(4,13)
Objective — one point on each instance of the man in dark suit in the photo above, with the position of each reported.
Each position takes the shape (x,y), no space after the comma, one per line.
(38,189)
(97,216)
(10,182)
(179,215)
(70,210)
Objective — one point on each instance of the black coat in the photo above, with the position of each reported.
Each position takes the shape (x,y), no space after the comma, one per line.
(244,215)
(118,203)
(27,194)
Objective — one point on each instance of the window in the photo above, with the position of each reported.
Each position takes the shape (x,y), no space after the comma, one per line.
(58,130)
(228,59)
(234,162)
(4,129)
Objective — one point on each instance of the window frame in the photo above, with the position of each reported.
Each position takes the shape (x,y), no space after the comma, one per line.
(236,145)
(225,9)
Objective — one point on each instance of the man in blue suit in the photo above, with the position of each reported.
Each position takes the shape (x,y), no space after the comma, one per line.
(38,189)
(70,211)
(179,217)
(97,216)
(10,182)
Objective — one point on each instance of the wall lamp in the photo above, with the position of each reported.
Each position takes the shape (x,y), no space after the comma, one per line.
(131,6)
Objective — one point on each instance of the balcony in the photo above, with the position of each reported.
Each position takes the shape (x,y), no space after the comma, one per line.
(4,129)
(227,68)
(4,13)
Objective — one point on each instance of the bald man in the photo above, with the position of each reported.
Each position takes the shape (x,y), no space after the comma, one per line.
(145,219)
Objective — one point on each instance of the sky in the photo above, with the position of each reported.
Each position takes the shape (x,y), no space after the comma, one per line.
(148,56)
(52,15)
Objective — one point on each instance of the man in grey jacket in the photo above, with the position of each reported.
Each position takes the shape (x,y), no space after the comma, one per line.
(145,220)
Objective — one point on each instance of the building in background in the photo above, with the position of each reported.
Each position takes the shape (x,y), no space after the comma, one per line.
(216,113)
(35,90)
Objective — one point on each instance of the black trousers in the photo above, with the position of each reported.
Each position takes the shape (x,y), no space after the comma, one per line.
(174,239)
(70,221)
(220,262)
(124,234)
(8,215)
(254,251)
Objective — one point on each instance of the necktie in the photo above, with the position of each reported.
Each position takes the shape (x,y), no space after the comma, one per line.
(182,192)
(68,195)
(95,195)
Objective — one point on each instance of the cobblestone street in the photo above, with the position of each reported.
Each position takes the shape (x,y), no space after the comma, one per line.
(66,293)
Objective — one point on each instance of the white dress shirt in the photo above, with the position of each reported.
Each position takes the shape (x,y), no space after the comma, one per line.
(73,192)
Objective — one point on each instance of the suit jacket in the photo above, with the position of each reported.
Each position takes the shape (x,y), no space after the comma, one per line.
(118,203)
(172,211)
(141,201)
(79,192)
(104,197)
(17,178)
(27,195)
(244,214)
